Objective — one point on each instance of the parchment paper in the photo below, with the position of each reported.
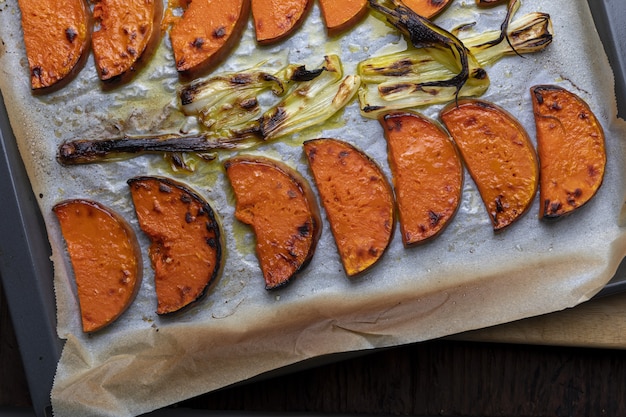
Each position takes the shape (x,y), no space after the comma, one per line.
(465,279)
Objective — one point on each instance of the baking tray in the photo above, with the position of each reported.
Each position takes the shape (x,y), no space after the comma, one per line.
(25,266)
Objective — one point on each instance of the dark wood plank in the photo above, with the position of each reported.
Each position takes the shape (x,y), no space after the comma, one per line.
(449,378)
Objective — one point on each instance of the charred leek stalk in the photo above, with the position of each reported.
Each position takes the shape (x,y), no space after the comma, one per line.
(227,107)
(85,151)
(310,103)
(437,69)
(440,67)
(530,33)
(228,99)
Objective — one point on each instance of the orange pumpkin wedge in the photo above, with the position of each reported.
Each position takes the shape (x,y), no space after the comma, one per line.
(280,206)
(274,20)
(342,15)
(357,198)
(128,31)
(105,257)
(206,33)
(571,147)
(499,157)
(427,175)
(186,240)
(427,8)
(490,3)
(56,37)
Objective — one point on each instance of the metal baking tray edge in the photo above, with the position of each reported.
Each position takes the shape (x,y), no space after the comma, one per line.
(25,266)
(27,272)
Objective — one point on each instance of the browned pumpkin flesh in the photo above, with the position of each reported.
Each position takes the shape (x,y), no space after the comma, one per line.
(357,198)
(128,31)
(105,257)
(186,240)
(499,157)
(274,20)
(342,15)
(571,147)
(279,205)
(206,32)
(56,38)
(490,3)
(427,8)
(427,174)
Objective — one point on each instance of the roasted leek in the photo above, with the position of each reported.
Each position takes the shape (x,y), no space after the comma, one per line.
(230,115)
(310,103)
(438,66)
(229,98)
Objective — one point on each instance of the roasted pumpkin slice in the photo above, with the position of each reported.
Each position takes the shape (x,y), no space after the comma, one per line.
(490,3)
(571,147)
(427,8)
(357,198)
(342,15)
(499,157)
(427,174)
(279,205)
(274,20)
(56,37)
(127,32)
(186,240)
(206,33)
(105,257)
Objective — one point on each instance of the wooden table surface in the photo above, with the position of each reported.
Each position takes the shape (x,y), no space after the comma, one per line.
(570,363)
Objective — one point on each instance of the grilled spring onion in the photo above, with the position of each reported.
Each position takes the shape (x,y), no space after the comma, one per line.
(425,34)
(530,33)
(228,98)
(85,151)
(313,98)
(409,78)
(311,102)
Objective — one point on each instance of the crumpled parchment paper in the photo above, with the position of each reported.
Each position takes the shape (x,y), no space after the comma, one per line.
(467,278)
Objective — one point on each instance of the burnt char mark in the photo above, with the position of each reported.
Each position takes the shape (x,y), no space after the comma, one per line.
(399,68)
(219,32)
(394,122)
(185,198)
(386,90)
(269,124)
(551,208)
(556,106)
(499,205)
(312,153)
(435,218)
(369,109)
(164,188)
(538,96)
(302,74)
(71,34)
(188,94)
(37,72)
(249,104)
(189,218)
(479,74)
(572,197)
(198,43)
(241,79)
(305,229)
